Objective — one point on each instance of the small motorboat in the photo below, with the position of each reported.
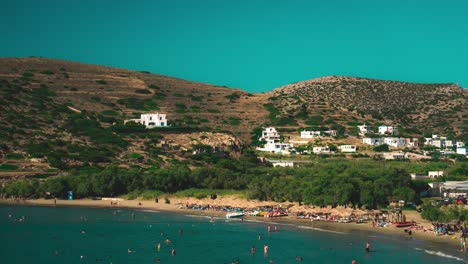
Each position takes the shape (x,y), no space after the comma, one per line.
(235,215)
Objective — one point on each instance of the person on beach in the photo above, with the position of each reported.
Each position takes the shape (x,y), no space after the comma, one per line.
(253,250)
(368,245)
(55,201)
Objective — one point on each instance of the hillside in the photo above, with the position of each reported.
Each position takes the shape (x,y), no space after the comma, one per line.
(417,108)
(69,114)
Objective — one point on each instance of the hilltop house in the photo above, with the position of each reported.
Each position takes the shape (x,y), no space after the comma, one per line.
(430,175)
(273,142)
(347,148)
(440,142)
(150,120)
(372,141)
(316,134)
(388,130)
(395,142)
(318,150)
(395,155)
(461,151)
(310,134)
(364,129)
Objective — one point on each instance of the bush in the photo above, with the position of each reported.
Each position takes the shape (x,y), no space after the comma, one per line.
(8,167)
(47,72)
(143,91)
(101,82)
(381,148)
(14,156)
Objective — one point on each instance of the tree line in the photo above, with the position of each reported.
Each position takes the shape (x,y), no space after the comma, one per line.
(325,182)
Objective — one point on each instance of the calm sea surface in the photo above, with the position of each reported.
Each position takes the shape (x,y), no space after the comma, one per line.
(95,235)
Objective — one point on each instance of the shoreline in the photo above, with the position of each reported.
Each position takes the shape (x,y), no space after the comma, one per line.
(446,240)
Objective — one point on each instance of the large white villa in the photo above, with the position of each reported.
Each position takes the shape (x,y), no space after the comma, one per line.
(150,120)
(273,142)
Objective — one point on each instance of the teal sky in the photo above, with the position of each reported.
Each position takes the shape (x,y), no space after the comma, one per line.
(253,45)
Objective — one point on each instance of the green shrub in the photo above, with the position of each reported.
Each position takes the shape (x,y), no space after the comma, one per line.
(14,156)
(101,82)
(8,167)
(381,148)
(47,72)
(143,91)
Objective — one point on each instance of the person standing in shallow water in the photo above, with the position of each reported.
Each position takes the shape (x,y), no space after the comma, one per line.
(253,250)
(368,245)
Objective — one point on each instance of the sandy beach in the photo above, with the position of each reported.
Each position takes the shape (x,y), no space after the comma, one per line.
(176,203)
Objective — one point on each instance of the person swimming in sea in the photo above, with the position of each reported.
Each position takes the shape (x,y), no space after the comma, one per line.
(168,241)
(265,249)
(299,258)
(253,250)
(269,228)
(158,246)
(368,246)
(173,252)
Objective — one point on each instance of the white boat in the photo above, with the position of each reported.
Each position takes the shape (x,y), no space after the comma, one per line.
(234,215)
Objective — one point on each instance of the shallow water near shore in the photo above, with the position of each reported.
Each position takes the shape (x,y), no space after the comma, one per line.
(100,235)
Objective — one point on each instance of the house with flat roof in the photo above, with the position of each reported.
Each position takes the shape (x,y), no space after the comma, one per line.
(150,120)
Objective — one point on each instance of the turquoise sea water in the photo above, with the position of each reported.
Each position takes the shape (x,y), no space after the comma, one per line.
(62,235)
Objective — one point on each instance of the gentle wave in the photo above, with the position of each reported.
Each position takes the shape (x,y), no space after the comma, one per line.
(322,230)
(149,211)
(441,254)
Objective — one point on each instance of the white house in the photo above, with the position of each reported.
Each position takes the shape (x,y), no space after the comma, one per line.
(330,133)
(372,141)
(435,174)
(151,120)
(283,164)
(364,129)
(273,144)
(388,130)
(318,150)
(412,142)
(310,134)
(395,155)
(270,133)
(347,148)
(418,176)
(461,151)
(460,144)
(395,142)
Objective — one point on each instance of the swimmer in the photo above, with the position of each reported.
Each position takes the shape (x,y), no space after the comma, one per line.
(129,251)
(167,241)
(368,245)
(299,258)
(253,250)
(353,262)
(158,246)
(276,229)
(173,252)
(265,249)
(181,231)
(259,237)
(269,228)
(83,232)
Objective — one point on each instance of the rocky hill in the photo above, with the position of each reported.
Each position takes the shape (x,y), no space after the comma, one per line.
(417,108)
(70,114)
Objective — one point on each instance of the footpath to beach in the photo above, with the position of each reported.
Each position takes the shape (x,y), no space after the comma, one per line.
(179,205)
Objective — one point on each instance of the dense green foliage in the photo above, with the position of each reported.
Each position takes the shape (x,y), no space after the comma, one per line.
(443,214)
(333,182)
